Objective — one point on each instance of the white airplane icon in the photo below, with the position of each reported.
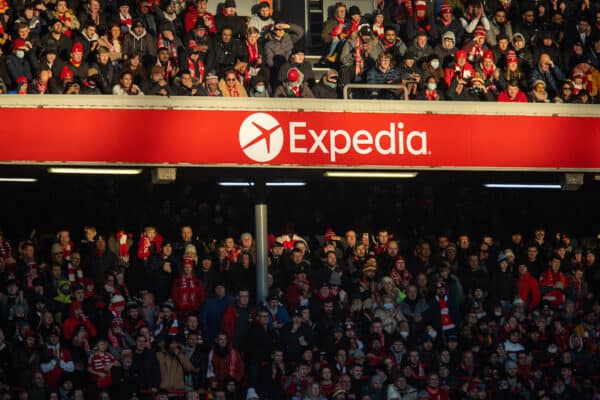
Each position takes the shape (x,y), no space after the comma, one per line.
(265,135)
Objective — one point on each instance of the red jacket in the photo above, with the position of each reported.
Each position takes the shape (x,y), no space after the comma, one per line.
(466,72)
(188,294)
(528,286)
(520,98)
(548,279)
(144,246)
(71,323)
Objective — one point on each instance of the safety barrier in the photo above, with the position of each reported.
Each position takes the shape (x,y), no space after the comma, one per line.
(386,86)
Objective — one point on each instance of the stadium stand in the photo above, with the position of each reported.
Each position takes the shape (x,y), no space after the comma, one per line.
(443,50)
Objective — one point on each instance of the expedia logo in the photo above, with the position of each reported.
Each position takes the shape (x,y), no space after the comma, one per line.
(262,136)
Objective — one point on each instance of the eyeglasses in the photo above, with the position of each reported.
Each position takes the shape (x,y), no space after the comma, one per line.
(230,79)
(566,88)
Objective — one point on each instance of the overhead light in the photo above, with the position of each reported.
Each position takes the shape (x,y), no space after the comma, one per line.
(366,174)
(286,184)
(269,184)
(235,184)
(22,180)
(95,171)
(520,186)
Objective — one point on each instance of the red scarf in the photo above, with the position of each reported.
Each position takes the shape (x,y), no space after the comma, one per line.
(75,275)
(399,276)
(76,64)
(447,322)
(296,90)
(488,73)
(252,52)
(125,20)
(196,72)
(339,28)
(358,68)
(123,247)
(379,30)
(31,273)
(353,27)
(41,87)
(431,94)
(162,42)
(233,92)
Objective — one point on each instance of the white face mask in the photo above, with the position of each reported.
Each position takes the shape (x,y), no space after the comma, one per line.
(435,64)
(404,334)
(260,89)
(20,53)
(431,86)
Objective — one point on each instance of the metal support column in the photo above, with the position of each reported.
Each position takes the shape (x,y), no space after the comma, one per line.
(262,254)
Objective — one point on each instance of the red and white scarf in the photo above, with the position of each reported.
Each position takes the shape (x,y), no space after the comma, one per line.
(75,275)
(196,72)
(447,322)
(125,21)
(162,42)
(358,68)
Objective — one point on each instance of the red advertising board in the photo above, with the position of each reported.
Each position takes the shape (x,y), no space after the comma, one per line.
(304,139)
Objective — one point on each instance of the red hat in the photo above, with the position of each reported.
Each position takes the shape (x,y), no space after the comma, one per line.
(488,55)
(188,261)
(329,234)
(480,31)
(77,48)
(21,80)
(88,281)
(577,73)
(192,44)
(420,5)
(511,56)
(117,322)
(66,73)
(293,75)
(19,44)
(460,54)
(446,8)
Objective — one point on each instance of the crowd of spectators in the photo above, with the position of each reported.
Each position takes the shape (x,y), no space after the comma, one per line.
(363,316)
(515,51)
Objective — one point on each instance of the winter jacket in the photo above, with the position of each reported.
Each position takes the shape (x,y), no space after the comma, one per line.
(144,44)
(236,323)
(211,316)
(223,56)
(188,294)
(277,51)
(552,78)
(145,367)
(323,91)
(172,369)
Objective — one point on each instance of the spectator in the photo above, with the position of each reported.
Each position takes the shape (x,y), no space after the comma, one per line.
(137,40)
(333,34)
(263,20)
(358,55)
(294,86)
(512,94)
(383,73)
(230,85)
(547,72)
(446,22)
(298,61)
(229,18)
(328,86)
